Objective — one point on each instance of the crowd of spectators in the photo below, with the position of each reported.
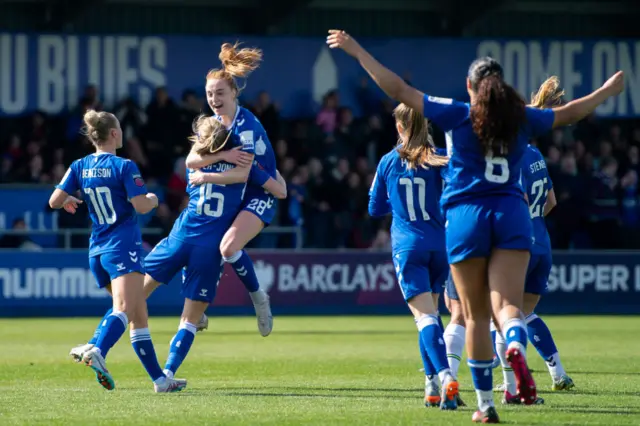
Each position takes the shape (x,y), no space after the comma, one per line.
(329,162)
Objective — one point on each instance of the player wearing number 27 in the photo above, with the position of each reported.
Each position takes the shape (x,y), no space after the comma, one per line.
(115,192)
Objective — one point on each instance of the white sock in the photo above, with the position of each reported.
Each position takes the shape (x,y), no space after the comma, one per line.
(258,296)
(431,381)
(555,366)
(485,399)
(444,376)
(507,371)
(168,373)
(454,340)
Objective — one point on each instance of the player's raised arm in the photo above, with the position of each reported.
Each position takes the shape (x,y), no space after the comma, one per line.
(391,83)
(578,109)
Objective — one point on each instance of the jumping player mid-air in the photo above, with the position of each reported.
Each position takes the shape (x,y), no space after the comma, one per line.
(259,206)
(488,232)
(115,192)
(408,185)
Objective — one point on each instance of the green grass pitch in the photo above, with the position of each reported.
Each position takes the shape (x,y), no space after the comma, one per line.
(310,371)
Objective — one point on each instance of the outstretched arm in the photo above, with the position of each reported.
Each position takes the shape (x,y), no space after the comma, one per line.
(390,82)
(234,156)
(228,177)
(578,109)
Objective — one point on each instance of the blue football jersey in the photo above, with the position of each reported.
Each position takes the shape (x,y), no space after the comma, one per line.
(212,208)
(537,183)
(248,128)
(412,197)
(472,174)
(107,182)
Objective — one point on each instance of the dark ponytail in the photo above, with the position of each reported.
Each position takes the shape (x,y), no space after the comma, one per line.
(498,111)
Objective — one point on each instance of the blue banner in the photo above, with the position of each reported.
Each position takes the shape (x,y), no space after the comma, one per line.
(60,283)
(49,71)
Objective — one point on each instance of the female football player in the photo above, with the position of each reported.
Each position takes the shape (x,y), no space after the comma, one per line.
(408,185)
(488,234)
(259,206)
(115,191)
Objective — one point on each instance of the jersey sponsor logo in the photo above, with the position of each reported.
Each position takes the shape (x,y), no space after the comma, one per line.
(437,100)
(137,179)
(246,138)
(261,147)
(325,278)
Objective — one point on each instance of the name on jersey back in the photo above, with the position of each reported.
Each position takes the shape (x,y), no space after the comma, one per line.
(537,166)
(96,173)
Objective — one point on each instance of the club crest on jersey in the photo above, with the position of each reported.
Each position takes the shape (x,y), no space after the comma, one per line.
(246,138)
(261,147)
(137,179)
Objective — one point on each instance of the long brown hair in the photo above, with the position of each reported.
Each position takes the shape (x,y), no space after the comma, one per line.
(209,135)
(415,144)
(497,111)
(549,94)
(236,63)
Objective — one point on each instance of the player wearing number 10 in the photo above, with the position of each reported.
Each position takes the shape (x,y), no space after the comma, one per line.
(408,185)
(488,231)
(115,192)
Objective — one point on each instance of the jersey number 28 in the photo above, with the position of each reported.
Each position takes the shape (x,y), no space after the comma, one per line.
(206,194)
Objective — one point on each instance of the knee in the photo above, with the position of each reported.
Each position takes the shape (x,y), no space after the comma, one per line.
(227,247)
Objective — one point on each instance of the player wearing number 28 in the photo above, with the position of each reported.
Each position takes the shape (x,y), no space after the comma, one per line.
(115,192)
(488,226)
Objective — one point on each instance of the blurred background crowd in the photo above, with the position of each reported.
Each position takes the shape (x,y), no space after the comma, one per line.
(329,162)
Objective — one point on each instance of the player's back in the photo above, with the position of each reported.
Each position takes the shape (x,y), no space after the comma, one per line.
(101,177)
(211,209)
(414,196)
(473,174)
(537,184)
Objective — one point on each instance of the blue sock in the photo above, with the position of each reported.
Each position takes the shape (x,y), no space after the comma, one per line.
(114,326)
(429,369)
(482,375)
(433,341)
(541,337)
(142,344)
(515,333)
(242,264)
(180,345)
(102,322)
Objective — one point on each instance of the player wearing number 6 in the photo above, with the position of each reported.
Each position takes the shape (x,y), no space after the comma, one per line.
(408,185)
(115,192)
(488,231)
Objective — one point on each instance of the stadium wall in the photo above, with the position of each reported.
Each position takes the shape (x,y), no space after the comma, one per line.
(59,283)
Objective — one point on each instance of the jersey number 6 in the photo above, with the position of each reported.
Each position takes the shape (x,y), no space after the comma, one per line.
(490,170)
(206,194)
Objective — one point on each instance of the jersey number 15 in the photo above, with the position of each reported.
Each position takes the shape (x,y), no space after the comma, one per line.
(206,194)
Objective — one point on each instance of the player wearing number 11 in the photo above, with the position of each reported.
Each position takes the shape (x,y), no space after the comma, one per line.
(488,232)
(408,185)
(115,192)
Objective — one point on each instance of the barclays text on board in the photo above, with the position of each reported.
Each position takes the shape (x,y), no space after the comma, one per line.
(48,72)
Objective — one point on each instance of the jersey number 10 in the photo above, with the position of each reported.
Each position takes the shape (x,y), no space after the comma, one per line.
(422,193)
(206,194)
(102,204)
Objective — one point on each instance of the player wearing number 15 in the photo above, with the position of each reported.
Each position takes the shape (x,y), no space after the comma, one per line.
(408,185)
(115,192)
(488,231)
